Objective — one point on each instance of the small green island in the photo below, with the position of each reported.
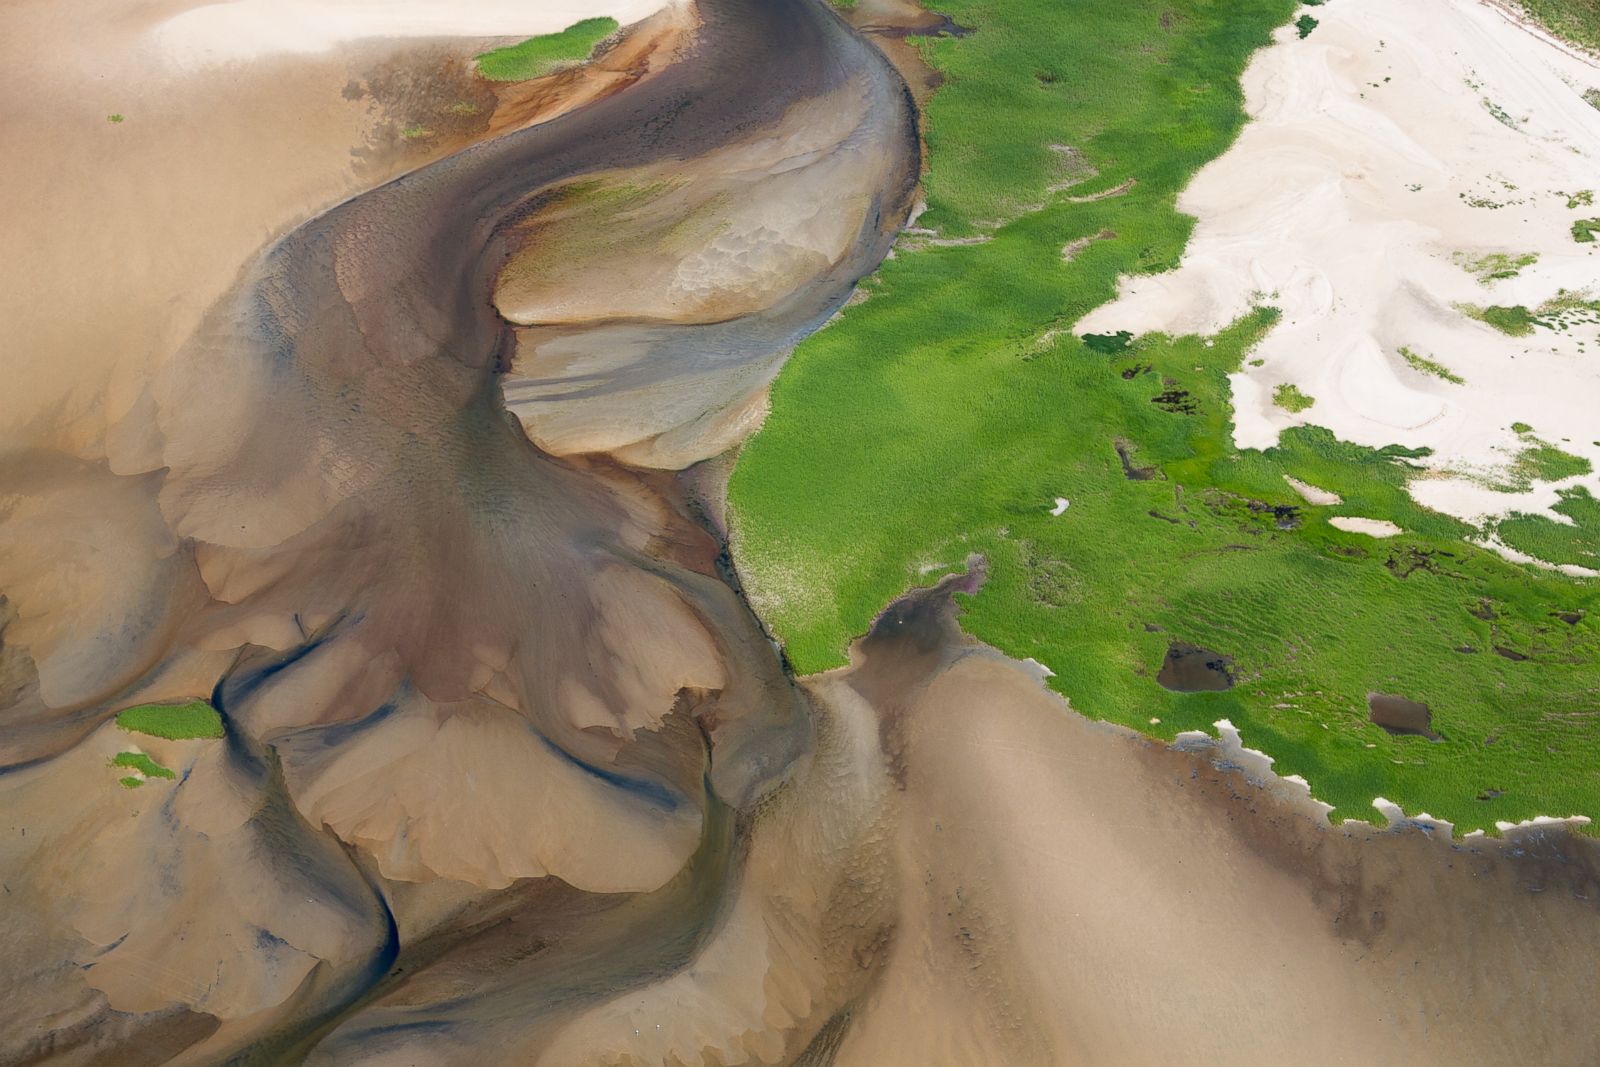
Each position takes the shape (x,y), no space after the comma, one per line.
(538,56)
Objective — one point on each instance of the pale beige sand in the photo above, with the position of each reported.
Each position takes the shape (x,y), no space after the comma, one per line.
(1343,203)
(158,902)
(1311,494)
(151,219)
(235,31)
(1370,527)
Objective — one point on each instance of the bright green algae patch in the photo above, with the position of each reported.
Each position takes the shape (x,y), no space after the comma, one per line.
(142,763)
(176,722)
(943,415)
(540,55)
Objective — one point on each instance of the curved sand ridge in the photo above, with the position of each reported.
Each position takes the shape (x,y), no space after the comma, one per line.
(1391,143)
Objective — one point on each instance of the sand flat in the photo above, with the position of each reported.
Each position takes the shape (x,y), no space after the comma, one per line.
(246,30)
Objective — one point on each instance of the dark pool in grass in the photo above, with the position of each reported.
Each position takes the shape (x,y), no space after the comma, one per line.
(1191,669)
(1401,717)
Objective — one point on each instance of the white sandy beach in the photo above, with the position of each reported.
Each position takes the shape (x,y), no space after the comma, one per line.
(1394,140)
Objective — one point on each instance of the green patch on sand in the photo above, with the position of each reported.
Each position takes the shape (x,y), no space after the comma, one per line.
(1512,320)
(142,763)
(1561,312)
(1423,365)
(1577,543)
(1544,462)
(931,422)
(1289,397)
(1496,266)
(540,55)
(1535,461)
(175,722)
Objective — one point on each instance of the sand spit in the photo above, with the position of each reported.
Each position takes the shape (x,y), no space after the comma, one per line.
(1393,153)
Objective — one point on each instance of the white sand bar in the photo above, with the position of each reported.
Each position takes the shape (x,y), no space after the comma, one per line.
(1311,494)
(1394,140)
(1370,527)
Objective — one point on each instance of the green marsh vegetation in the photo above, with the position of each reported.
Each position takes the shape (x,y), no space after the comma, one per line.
(1584,230)
(540,55)
(1495,266)
(1289,397)
(1577,544)
(1577,21)
(1304,25)
(1423,365)
(175,722)
(1561,312)
(143,764)
(1513,320)
(943,415)
(1536,461)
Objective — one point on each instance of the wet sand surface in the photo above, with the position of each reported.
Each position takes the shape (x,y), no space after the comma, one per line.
(1070,893)
(511,773)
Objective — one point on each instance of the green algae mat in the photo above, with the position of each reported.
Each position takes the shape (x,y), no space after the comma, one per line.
(540,55)
(946,413)
(175,722)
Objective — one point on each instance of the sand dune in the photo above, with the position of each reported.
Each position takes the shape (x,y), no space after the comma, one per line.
(1390,146)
